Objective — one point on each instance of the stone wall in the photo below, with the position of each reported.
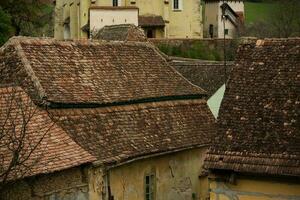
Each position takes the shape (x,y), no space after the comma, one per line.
(64,185)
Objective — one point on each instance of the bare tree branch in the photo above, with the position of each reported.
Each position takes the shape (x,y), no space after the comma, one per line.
(20,140)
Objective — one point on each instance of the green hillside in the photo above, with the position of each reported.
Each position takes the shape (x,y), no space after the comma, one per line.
(258,11)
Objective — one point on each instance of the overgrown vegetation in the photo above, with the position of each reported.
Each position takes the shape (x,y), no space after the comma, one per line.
(25,17)
(6,29)
(201,50)
(271,18)
(196,51)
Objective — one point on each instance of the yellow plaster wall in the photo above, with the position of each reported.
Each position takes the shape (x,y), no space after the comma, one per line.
(186,23)
(177,177)
(84,17)
(74,19)
(96,183)
(58,23)
(255,188)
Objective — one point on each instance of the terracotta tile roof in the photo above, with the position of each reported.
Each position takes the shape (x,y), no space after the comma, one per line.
(209,76)
(123,32)
(151,21)
(72,72)
(56,151)
(259,128)
(119,133)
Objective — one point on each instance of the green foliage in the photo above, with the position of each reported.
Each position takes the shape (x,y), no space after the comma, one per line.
(29,17)
(258,11)
(272,19)
(196,50)
(6,30)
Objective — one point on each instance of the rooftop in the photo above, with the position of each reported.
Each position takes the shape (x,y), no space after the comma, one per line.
(119,133)
(258,127)
(48,147)
(92,72)
(122,32)
(209,75)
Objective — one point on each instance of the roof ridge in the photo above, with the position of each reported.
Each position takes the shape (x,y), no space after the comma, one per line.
(70,42)
(16,43)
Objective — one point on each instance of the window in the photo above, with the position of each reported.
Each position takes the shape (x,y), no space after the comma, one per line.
(115,3)
(177,4)
(150,33)
(226,31)
(211,30)
(150,187)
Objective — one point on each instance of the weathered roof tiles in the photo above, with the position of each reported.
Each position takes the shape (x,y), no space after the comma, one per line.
(72,72)
(47,146)
(120,133)
(258,127)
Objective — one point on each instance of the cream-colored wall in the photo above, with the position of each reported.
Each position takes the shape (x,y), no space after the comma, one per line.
(256,188)
(84,17)
(213,15)
(186,23)
(237,6)
(177,177)
(154,8)
(102,17)
(58,23)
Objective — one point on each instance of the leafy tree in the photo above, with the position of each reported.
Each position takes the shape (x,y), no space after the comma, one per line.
(282,22)
(29,17)
(6,30)
(285,20)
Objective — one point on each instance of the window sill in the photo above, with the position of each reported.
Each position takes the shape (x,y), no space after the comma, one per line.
(177,10)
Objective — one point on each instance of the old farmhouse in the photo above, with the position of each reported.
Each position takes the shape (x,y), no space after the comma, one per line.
(126,124)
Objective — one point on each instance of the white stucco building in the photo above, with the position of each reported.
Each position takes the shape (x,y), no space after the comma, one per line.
(213,22)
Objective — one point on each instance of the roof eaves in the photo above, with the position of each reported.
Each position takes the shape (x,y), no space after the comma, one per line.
(113,163)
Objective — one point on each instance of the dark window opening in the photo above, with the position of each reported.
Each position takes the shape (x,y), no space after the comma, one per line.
(226,31)
(211,30)
(115,3)
(150,187)
(150,33)
(176,4)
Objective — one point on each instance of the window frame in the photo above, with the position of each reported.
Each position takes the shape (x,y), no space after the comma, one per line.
(115,3)
(151,185)
(179,5)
